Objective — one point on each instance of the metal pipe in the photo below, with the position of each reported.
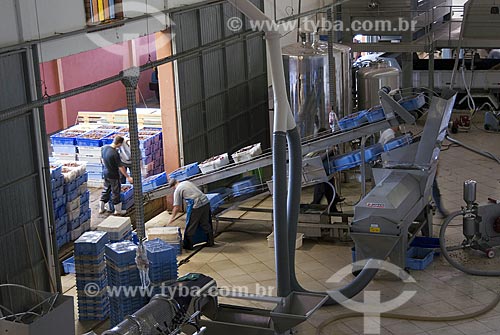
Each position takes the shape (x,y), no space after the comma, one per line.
(363,166)
(477,151)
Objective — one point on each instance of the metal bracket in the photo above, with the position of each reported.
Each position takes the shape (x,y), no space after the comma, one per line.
(392,107)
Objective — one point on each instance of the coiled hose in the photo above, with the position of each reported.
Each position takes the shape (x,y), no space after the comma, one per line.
(407,317)
(444,251)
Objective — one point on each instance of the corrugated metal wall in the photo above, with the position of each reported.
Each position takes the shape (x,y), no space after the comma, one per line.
(223,95)
(23,255)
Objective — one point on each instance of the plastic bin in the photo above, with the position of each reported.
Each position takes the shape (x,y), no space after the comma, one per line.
(64,149)
(247,153)
(298,241)
(419,258)
(55,171)
(413,103)
(372,152)
(91,243)
(121,253)
(153,182)
(214,163)
(92,138)
(66,137)
(427,243)
(375,114)
(398,142)
(109,138)
(244,186)
(185,172)
(353,121)
(216,200)
(116,227)
(127,193)
(57,193)
(345,162)
(69,265)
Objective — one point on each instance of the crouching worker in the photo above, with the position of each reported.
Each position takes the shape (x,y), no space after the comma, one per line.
(198,216)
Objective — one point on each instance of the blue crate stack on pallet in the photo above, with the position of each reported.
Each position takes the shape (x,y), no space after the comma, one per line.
(171,235)
(90,268)
(59,204)
(122,272)
(162,263)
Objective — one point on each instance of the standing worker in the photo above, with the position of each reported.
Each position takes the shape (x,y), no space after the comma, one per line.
(126,158)
(112,168)
(199,216)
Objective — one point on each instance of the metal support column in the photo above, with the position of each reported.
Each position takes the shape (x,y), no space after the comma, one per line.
(130,80)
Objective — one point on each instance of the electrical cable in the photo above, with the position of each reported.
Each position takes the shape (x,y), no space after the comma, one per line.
(455,264)
(468,147)
(410,317)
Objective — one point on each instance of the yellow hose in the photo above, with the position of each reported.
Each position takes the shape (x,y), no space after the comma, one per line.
(452,318)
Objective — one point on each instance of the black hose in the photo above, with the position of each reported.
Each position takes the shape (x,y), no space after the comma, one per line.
(444,251)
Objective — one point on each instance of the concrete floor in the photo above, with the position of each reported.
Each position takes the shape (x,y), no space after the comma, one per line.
(244,259)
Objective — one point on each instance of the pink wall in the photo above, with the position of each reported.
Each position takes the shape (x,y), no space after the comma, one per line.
(88,67)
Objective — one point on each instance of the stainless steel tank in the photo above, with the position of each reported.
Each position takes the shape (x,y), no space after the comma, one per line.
(306,73)
(343,80)
(372,78)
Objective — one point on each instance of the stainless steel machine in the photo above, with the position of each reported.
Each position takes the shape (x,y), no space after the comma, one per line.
(397,208)
(372,78)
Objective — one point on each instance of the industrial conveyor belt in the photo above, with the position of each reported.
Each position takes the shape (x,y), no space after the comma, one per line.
(309,146)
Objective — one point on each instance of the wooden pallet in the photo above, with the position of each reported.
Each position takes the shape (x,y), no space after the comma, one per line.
(145,117)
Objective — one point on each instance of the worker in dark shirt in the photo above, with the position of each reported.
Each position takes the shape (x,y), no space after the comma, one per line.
(112,168)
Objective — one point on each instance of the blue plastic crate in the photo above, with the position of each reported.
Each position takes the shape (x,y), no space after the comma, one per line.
(160,252)
(353,121)
(85,215)
(58,192)
(372,152)
(59,201)
(153,182)
(68,187)
(414,102)
(223,191)
(128,194)
(216,200)
(345,162)
(375,114)
(91,243)
(85,197)
(64,137)
(121,253)
(69,265)
(109,138)
(398,142)
(419,258)
(185,172)
(83,141)
(60,211)
(55,171)
(61,231)
(72,195)
(244,186)
(427,243)
(73,224)
(61,221)
(82,179)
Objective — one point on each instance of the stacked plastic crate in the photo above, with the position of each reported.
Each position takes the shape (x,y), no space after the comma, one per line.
(151,146)
(171,235)
(77,195)
(89,150)
(163,263)
(91,277)
(64,144)
(118,228)
(59,203)
(123,273)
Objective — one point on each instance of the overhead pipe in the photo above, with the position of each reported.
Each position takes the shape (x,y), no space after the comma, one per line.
(286,222)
